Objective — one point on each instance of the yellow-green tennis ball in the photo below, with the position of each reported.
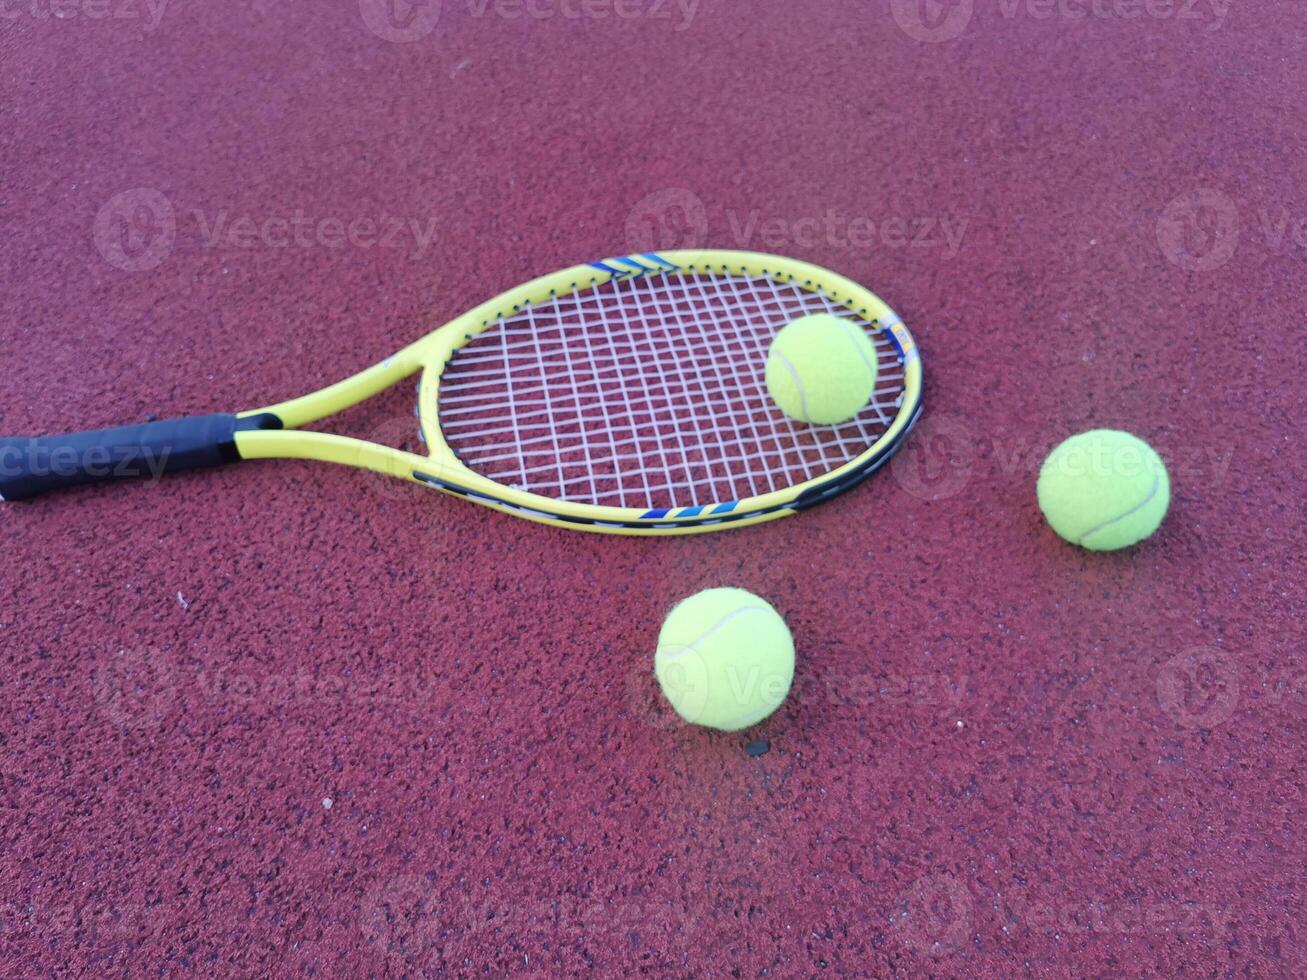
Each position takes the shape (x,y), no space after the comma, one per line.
(1104,490)
(725,659)
(821,369)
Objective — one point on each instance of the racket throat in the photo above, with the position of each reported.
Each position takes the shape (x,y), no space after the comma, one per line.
(260,421)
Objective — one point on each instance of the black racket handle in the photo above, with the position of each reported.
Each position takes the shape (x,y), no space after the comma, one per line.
(31,466)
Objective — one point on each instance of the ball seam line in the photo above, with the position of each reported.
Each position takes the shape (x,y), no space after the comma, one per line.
(753,717)
(682,648)
(1157,483)
(798,383)
(849,329)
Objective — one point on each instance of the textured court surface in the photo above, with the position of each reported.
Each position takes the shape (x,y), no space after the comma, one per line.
(292,720)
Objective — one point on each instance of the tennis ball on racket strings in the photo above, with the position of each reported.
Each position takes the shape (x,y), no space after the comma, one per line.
(821,369)
(725,659)
(1104,490)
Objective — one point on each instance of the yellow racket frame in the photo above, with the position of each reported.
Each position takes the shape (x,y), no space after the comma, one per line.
(443,470)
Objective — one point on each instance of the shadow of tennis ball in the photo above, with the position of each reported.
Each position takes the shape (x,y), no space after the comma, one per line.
(685,684)
(1198,230)
(135,230)
(645,702)
(1199,688)
(932,21)
(134,688)
(671,218)
(935,916)
(937,460)
(400,918)
(400,21)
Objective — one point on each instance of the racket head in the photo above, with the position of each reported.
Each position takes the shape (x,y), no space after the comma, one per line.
(628,395)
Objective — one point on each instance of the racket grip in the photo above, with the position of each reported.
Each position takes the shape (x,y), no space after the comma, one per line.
(32,466)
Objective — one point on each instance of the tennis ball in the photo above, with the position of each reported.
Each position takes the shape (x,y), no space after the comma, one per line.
(1104,490)
(821,368)
(725,659)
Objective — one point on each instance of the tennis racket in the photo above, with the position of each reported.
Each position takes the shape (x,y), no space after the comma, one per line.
(623,396)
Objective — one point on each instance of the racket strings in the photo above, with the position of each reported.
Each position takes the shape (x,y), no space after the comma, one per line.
(649,392)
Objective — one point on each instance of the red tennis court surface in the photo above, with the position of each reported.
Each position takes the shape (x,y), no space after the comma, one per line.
(292,720)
